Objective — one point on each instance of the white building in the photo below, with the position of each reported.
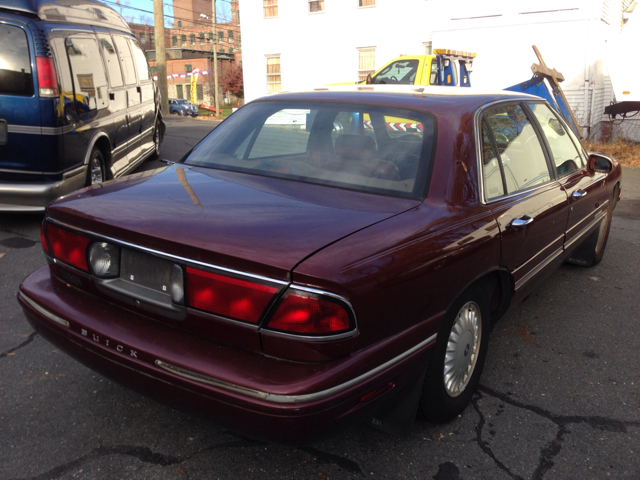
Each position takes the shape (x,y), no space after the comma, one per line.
(298,44)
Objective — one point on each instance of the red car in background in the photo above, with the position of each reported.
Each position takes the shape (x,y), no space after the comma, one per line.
(323,257)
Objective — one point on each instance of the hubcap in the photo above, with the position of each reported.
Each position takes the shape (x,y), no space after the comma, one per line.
(462,349)
(96,171)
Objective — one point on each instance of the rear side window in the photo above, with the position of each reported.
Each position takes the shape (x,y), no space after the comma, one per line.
(87,71)
(15,63)
(141,61)
(111,58)
(126,60)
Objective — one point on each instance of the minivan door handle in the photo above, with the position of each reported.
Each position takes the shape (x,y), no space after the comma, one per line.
(521,222)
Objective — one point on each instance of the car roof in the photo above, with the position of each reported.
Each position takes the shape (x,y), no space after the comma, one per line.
(83,12)
(420,97)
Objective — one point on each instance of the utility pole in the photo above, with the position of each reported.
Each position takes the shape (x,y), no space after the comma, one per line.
(215,57)
(161,57)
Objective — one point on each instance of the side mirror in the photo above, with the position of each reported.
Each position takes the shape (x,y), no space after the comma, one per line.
(368,81)
(599,163)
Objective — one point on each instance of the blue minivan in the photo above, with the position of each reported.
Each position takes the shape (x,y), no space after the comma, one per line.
(77,102)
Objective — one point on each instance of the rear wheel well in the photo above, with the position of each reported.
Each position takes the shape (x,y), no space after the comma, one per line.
(496,285)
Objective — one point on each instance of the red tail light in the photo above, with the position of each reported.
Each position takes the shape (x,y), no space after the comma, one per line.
(227,296)
(43,239)
(69,247)
(47,81)
(308,314)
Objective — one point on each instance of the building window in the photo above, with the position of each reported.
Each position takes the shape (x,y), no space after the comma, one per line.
(142,38)
(231,50)
(201,38)
(174,41)
(187,67)
(179,93)
(366,62)
(239,40)
(230,36)
(428,48)
(210,39)
(183,40)
(152,39)
(316,6)
(273,74)
(192,39)
(179,23)
(221,50)
(220,36)
(199,91)
(270,8)
(153,71)
(366,3)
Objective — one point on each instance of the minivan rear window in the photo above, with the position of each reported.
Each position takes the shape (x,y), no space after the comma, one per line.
(15,63)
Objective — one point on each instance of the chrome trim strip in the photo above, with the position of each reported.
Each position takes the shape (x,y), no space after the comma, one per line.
(289,399)
(320,338)
(38,130)
(168,256)
(599,216)
(539,267)
(46,313)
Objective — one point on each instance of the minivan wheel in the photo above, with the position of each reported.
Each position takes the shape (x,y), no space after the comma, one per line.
(156,142)
(96,172)
(457,359)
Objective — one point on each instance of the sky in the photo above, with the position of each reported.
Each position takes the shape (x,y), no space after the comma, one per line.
(129,8)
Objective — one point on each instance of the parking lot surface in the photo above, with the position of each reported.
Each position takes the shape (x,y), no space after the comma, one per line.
(559,396)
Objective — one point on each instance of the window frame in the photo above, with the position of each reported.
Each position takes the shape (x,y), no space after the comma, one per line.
(479,118)
(279,74)
(269,4)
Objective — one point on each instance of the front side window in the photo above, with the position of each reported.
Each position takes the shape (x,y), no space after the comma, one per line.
(15,63)
(141,61)
(350,146)
(126,60)
(112,60)
(270,8)
(518,150)
(273,74)
(316,6)
(565,155)
(87,72)
(402,72)
(366,62)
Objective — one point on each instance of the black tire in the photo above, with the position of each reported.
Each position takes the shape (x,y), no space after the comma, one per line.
(591,252)
(446,393)
(156,141)
(96,172)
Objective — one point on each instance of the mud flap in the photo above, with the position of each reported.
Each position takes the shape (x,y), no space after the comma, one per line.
(399,419)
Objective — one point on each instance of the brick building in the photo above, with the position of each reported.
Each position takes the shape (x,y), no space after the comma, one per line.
(190,43)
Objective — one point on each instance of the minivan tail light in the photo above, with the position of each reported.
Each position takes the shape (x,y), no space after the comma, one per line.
(310,314)
(69,247)
(227,296)
(47,81)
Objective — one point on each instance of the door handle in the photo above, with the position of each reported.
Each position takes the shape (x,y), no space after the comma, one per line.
(520,222)
(579,193)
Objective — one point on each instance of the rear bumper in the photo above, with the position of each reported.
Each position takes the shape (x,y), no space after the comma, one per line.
(33,197)
(242,390)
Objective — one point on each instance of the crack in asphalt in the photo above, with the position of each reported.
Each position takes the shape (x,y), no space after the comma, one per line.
(146,455)
(23,344)
(553,448)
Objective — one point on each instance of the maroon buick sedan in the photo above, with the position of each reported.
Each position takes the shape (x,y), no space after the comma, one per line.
(324,257)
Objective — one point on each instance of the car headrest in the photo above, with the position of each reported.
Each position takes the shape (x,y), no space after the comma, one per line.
(355,146)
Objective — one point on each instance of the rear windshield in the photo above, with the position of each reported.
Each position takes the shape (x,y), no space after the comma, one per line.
(15,64)
(359,147)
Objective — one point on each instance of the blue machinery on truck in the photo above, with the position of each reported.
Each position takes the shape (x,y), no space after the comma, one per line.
(545,82)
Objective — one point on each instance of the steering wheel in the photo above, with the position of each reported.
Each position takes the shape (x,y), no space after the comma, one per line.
(394,79)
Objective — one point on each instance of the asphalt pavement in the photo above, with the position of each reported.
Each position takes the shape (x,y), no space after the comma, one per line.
(559,397)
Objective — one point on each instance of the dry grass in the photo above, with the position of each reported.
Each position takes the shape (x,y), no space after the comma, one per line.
(627,153)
